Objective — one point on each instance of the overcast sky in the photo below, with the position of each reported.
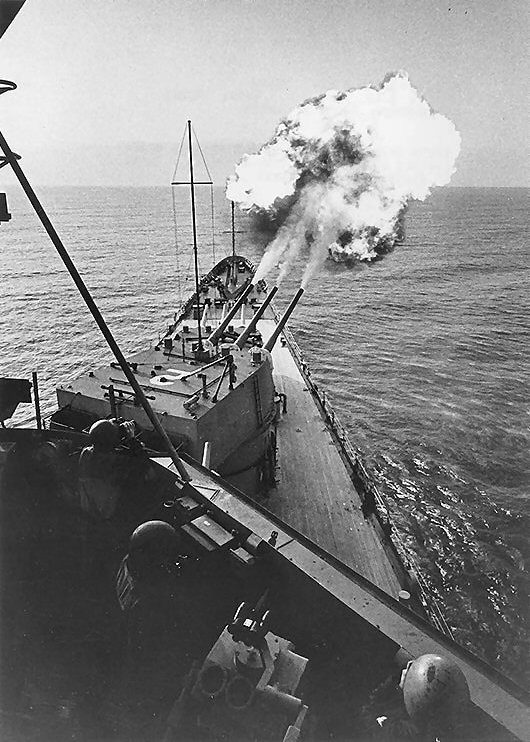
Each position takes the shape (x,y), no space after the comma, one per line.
(106,86)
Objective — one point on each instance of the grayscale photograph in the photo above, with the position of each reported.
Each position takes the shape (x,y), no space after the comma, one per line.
(264,380)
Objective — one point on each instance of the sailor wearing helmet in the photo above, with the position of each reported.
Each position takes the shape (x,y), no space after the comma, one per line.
(427,704)
(102,471)
(153,595)
(436,696)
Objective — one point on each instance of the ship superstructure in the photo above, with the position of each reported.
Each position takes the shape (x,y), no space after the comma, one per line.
(216,400)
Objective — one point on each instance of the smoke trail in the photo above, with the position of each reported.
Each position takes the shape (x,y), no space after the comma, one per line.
(336,177)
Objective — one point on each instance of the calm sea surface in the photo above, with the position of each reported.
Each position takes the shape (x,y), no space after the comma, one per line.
(424,356)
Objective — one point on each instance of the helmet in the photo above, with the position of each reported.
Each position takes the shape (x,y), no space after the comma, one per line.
(104,434)
(434,690)
(153,548)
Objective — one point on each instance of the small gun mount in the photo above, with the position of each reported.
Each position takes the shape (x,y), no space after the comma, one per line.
(249,625)
(246,686)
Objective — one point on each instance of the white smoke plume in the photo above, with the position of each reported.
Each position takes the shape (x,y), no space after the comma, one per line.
(340,170)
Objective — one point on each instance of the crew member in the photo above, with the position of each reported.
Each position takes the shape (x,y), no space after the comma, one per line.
(436,696)
(150,566)
(159,625)
(103,472)
(427,703)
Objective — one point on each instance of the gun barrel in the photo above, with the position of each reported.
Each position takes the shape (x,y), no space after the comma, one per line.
(240,342)
(269,345)
(231,314)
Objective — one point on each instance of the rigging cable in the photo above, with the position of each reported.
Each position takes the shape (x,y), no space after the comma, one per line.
(211,194)
(175,222)
(179,153)
(175,229)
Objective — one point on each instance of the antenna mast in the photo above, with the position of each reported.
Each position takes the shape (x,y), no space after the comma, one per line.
(195,253)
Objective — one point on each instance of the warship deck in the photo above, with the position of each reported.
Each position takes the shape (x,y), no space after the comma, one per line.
(315,493)
(492,694)
(314,479)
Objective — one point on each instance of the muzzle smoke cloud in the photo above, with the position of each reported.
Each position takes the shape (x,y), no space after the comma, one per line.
(339,171)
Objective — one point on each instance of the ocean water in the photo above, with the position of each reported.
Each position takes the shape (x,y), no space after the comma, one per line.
(423,355)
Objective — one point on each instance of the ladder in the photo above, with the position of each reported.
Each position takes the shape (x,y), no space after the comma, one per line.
(257,398)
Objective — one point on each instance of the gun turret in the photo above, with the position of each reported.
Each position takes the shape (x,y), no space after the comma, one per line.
(242,339)
(269,345)
(231,314)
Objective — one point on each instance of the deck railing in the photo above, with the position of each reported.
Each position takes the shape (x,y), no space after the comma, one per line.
(364,481)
